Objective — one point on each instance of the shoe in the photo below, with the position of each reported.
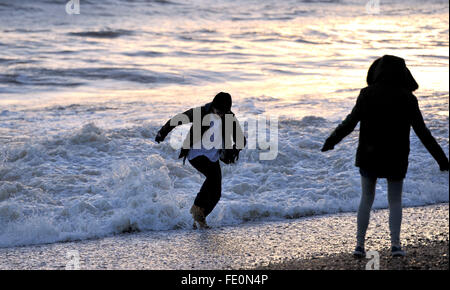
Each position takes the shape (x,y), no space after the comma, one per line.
(396,251)
(198,214)
(359,252)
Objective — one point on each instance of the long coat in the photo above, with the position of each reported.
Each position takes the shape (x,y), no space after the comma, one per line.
(387,109)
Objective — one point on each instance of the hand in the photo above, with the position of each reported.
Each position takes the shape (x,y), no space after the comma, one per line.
(159,138)
(327,146)
(229,156)
(444,166)
(235,155)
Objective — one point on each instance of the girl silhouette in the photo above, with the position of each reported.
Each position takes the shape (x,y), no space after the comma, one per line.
(387,109)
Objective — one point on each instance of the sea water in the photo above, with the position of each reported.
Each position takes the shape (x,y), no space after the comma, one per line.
(83,95)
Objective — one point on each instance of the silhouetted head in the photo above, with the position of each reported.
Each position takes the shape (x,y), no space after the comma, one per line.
(391,70)
(222,103)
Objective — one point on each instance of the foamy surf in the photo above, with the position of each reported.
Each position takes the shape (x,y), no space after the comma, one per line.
(95,182)
(82,96)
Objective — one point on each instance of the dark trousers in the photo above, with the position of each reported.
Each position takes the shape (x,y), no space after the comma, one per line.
(211,189)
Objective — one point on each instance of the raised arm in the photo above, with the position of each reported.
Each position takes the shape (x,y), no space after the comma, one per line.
(346,127)
(177,120)
(426,138)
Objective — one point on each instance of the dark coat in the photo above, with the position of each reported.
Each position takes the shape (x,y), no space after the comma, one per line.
(387,109)
(228,137)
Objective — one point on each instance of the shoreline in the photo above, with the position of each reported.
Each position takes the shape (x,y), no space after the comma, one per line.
(315,242)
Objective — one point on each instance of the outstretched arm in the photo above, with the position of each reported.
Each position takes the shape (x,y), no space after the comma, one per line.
(426,138)
(346,127)
(174,122)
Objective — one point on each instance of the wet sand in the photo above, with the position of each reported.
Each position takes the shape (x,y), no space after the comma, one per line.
(319,242)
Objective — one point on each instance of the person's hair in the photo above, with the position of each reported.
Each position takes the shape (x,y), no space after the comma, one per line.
(391,70)
(222,102)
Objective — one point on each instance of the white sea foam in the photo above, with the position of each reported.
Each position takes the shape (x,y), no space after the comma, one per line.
(94,181)
(78,116)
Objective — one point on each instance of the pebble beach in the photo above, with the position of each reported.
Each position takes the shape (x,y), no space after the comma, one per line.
(316,243)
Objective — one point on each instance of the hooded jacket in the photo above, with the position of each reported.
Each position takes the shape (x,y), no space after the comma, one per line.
(387,109)
(228,138)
